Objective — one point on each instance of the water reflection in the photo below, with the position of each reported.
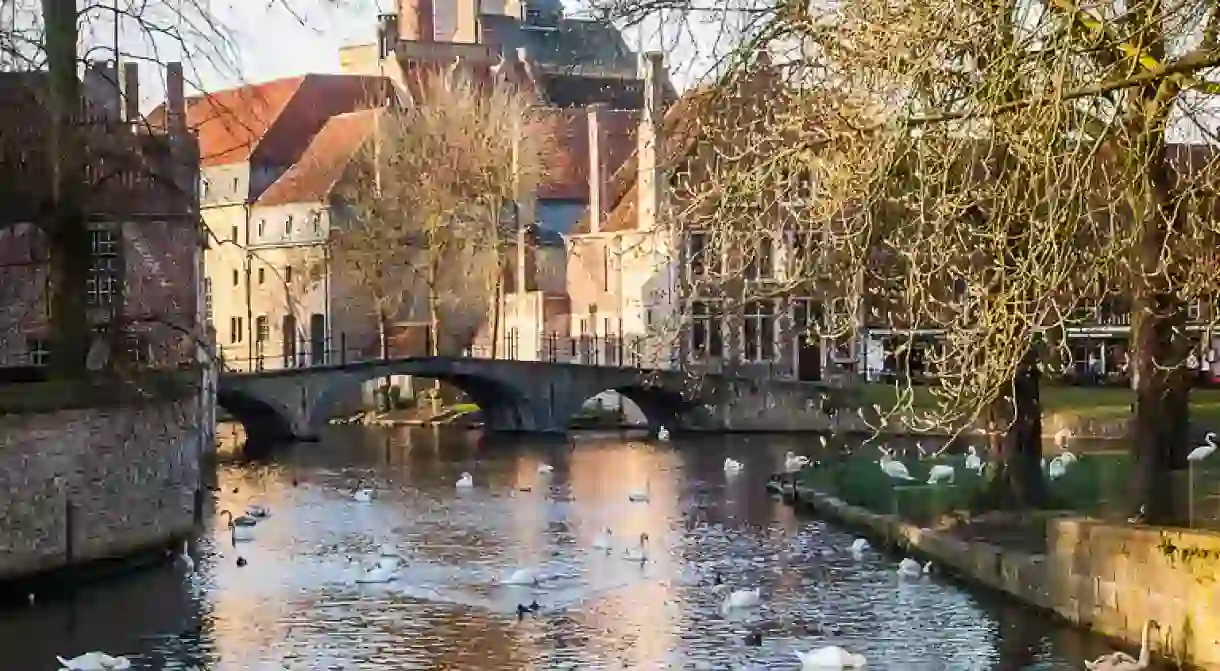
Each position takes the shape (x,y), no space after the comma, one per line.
(295,605)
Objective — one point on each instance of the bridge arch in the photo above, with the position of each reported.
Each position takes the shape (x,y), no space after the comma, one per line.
(661,406)
(264,421)
(500,402)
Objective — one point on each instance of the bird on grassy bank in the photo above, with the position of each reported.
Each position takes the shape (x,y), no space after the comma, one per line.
(1205,450)
(1121,661)
(1057,468)
(895,469)
(794,463)
(1063,437)
(973,461)
(941,473)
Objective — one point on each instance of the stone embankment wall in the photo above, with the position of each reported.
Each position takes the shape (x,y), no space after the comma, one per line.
(83,485)
(1109,578)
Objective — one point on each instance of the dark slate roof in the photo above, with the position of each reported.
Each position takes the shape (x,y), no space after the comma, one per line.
(573,43)
(571,90)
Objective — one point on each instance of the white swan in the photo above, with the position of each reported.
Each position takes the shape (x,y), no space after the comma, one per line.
(1205,450)
(1062,436)
(641,496)
(95,661)
(545,469)
(603,542)
(830,657)
(1121,661)
(1057,468)
(941,473)
(240,528)
(859,547)
(732,466)
(742,598)
(522,576)
(466,481)
(380,573)
(973,462)
(663,434)
(187,561)
(362,494)
(1068,458)
(258,512)
(895,469)
(793,463)
(640,552)
(909,568)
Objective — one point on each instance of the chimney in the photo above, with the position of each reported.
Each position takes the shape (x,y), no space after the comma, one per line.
(131,92)
(175,103)
(597,167)
(650,150)
(101,88)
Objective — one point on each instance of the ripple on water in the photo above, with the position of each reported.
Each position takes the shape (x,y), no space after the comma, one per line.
(295,604)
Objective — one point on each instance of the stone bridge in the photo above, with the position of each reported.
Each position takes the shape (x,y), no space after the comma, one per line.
(529,396)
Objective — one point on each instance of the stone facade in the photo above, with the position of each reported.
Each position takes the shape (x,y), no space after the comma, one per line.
(83,485)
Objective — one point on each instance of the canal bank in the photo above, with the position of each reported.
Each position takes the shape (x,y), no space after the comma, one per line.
(92,490)
(1104,577)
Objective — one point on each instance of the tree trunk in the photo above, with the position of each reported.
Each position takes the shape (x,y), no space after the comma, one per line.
(1015,440)
(383,352)
(66,227)
(497,306)
(434,323)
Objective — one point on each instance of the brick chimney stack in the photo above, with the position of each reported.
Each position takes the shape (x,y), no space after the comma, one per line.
(101,87)
(650,151)
(175,99)
(131,92)
(597,166)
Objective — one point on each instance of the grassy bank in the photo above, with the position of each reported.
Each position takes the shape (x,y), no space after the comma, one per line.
(1085,403)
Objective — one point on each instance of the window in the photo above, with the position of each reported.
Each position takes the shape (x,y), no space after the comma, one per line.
(102,286)
(262,227)
(236,277)
(606,269)
(234,330)
(38,352)
(262,276)
(137,348)
(761,264)
(236,185)
(317,222)
(1193,310)
(207,299)
(707,340)
(262,332)
(806,315)
(288,225)
(700,258)
(203,187)
(233,234)
(287,274)
(758,331)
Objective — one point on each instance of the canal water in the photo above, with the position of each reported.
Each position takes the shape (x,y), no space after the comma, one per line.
(295,605)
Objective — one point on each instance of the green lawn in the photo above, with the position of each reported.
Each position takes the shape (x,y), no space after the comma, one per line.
(1094,485)
(1083,402)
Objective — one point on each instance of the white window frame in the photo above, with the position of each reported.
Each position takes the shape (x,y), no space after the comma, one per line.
(751,315)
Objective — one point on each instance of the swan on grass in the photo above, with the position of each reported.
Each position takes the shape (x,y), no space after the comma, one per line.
(1121,661)
(895,469)
(973,461)
(1068,458)
(466,481)
(522,576)
(793,463)
(640,552)
(641,496)
(859,547)
(732,466)
(742,598)
(603,540)
(663,434)
(1057,468)
(941,473)
(1062,437)
(830,657)
(1205,450)
(909,568)
(95,661)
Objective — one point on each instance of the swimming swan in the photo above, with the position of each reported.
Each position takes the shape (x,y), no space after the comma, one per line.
(830,657)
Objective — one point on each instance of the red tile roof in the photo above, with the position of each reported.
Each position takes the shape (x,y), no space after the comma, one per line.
(314,175)
(274,120)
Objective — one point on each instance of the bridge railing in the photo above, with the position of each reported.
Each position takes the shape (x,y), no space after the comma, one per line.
(551,347)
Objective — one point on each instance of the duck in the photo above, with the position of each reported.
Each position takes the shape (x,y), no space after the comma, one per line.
(1057,468)
(859,547)
(909,568)
(378,574)
(742,598)
(732,466)
(466,481)
(603,540)
(830,657)
(973,461)
(895,469)
(1121,661)
(663,434)
(794,463)
(640,552)
(362,494)
(240,528)
(522,576)
(185,557)
(95,661)
(941,473)
(641,496)
(1205,450)
(545,469)
(258,512)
